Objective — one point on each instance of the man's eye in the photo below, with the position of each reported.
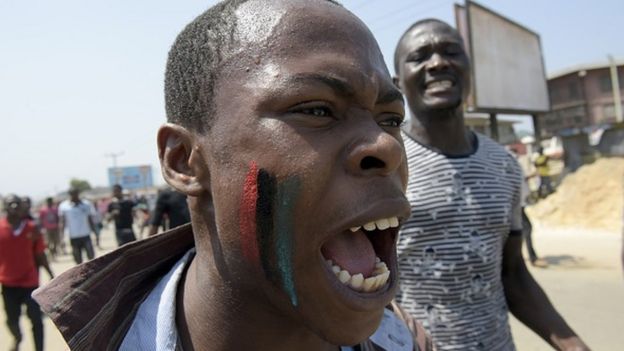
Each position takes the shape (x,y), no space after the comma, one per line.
(393,122)
(453,50)
(319,111)
(415,59)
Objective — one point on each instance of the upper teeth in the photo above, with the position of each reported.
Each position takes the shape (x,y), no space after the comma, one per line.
(380,224)
(440,83)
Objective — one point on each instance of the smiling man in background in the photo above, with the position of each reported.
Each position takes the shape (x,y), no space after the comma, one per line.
(284,134)
(460,252)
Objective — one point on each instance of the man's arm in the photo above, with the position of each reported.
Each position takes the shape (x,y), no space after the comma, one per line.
(39,250)
(92,224)
(61,225)
(42,261)
(90,218)
(528,302)
(157,215)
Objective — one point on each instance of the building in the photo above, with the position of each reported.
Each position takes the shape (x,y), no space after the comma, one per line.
(581,99)
(480,122)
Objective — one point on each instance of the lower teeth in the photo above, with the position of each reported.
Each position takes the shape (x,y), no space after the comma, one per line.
(357,282)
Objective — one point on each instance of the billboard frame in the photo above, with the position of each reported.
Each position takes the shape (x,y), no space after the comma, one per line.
(474,97)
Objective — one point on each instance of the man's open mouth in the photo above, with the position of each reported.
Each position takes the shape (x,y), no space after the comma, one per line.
(439,84)
(358,256)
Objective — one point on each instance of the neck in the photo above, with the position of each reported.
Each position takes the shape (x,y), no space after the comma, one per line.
(442,130)
(217,317)
(217,311)
(14,220)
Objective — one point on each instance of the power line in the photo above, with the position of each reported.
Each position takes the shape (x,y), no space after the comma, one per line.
(402,19)
(393,12)
(114,156)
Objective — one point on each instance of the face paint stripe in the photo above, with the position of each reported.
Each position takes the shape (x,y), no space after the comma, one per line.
(284,230)
(264,222)
(249,244)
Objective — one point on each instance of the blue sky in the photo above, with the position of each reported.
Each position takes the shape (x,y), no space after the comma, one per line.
(80,79)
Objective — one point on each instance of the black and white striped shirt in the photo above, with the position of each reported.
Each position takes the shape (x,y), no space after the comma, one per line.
(450,250)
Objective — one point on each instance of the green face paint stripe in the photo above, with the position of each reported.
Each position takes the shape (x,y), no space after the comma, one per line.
(287,192)
(264,223)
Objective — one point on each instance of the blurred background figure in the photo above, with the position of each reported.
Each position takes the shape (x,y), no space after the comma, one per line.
(142,214)
(121,211)
(527,227)
(171,204)
(98,219)
(49,222)
(22,251)
(543,171)
(76,219)
(27,208)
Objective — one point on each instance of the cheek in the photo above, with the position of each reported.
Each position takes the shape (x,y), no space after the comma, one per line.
(267,226)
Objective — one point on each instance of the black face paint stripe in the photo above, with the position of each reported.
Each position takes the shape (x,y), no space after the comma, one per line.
(264,219)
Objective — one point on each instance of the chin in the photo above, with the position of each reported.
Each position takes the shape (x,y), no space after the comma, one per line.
(440,106)
(344,332)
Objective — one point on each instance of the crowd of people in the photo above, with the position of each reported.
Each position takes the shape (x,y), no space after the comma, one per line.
(28,238)
(319,219)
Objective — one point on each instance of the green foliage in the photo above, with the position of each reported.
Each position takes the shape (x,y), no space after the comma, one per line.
(79,184)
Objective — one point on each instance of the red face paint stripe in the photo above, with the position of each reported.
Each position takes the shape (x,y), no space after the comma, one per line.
(249,244)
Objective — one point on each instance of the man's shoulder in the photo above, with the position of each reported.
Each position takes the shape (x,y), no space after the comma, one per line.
(90,302)
(63,205)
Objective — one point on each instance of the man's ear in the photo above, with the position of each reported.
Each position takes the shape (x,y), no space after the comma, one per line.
(181,160)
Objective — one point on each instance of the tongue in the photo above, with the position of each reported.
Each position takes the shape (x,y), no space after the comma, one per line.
(352,252)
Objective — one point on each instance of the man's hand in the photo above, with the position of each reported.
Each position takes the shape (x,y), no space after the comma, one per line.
(573,343)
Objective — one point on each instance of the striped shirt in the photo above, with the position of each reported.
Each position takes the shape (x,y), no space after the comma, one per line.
(450,250)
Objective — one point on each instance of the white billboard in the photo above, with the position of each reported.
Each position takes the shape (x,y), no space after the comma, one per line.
(508,74)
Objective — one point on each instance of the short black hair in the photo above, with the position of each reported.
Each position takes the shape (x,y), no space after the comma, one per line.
(11,198)
(414,25)
(194,64)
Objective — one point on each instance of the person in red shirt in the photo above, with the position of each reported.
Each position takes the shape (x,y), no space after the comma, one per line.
(22,251)
(49,220)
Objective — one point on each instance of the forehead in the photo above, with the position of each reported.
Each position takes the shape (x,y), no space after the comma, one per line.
(430,33)
(294,29)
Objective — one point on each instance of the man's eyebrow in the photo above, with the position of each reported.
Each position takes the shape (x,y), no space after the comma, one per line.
(339,86)
(390,96)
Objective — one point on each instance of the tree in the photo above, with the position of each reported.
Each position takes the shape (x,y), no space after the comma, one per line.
(80,184)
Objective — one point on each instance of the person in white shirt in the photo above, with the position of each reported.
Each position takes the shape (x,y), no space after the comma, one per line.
(76,220)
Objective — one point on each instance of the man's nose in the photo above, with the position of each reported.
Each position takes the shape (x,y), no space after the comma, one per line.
(375,153)
(437,62)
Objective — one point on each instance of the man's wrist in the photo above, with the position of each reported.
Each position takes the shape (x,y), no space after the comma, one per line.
(572,343)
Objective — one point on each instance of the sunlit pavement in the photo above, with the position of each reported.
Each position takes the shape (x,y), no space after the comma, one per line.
(584,281)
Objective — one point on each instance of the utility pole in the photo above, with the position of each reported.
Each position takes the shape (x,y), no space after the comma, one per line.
(615,84)
(114,156)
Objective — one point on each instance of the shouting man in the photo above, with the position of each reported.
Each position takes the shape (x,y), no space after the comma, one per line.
(284,133)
